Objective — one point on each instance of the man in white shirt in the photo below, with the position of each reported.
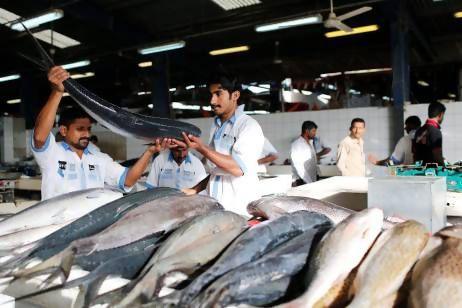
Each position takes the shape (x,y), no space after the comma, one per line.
(69,165)
(234,147)
(267,156)
(303,155)
(350,154)
(176,168)
(403,149)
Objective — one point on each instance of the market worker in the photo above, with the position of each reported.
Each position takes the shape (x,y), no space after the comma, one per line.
(69,165)
(428,140)
(403,149)
(235,145)
(350,154)
(176,168)
(303,155)
(267,156)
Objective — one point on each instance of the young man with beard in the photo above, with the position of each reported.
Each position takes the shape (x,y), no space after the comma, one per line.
(235,144)
(69,165)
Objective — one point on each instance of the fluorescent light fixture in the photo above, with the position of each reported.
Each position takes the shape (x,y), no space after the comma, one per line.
(354,92)
(356,30)
(76,64)
(307,20)
(190,87)
(228,50)
(385,98)
(423,83)
(235,4)
(56,39)
(144,93)
(203,86)
(331,74)
(257,89)
(256,112)
(177,105)
(172,89)
(7,16)
(324,98)
(368,71)
(145,64)
(451,95)
(151,106)
(36,21)
(84,75)
(207,108)
(10,77)
(265,85)
(162,47)
(13,101)
(332,87)
(65,94)
(305,92)
(458,14)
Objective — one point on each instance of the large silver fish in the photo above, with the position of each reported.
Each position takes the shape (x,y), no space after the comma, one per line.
(113,117)
(437,276)
(255,243)
(61,209)
(187,249)
(338,253)
(385,267)
(160,215)
(261,282)
(272,207)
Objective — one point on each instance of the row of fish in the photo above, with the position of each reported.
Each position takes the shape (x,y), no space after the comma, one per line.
(175,250)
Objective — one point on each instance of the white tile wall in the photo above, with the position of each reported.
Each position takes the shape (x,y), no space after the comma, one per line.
(451,127)
(333,125)
(282,128)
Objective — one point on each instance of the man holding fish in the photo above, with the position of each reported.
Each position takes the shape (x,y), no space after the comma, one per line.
(69,165)
(235,144)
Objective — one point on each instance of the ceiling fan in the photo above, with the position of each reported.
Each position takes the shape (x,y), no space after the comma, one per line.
(334,21)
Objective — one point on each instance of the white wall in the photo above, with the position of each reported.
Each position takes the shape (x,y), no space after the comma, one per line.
(450,128)
(282,128)
(333,125)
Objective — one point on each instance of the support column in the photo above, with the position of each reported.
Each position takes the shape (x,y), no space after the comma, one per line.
(160,83)
(400,64)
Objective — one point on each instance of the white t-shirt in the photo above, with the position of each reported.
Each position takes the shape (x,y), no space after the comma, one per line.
(268,149)
(241,137)
(403,150)
(165,172)
(63,171)
(303,157)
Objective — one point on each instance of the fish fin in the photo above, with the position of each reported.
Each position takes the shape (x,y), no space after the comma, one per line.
(46,59)
(141,290)
(88,291)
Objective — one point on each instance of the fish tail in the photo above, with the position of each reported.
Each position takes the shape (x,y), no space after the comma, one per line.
(195,287)
(143,289)
(46,60)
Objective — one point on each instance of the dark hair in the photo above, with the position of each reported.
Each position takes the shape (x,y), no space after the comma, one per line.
(227,81)
(308,125)
(434,109)
(413,121)
(68,115)
(93,138)
(357,120)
